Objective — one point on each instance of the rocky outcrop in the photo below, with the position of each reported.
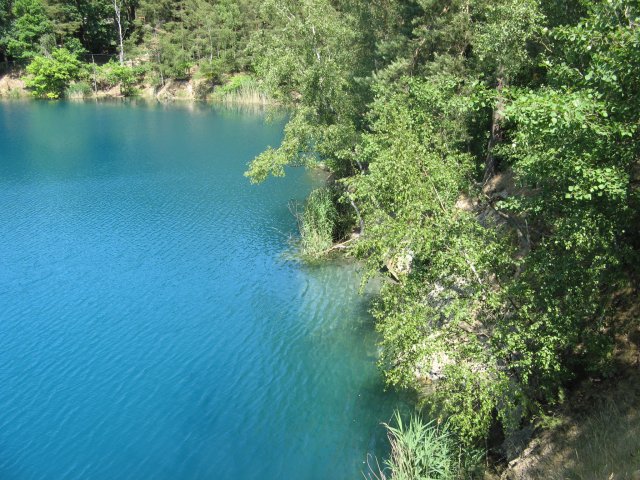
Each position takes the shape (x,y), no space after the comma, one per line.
(191,89)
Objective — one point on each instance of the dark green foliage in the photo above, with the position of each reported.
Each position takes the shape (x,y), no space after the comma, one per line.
(66,18)
(178,36)
(176,39)
(5,23)
(576,143)
(30,25)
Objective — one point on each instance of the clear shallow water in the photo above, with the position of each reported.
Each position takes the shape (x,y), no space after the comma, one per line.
(149,326)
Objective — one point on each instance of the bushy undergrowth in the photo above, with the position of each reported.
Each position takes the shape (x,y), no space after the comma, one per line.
(114,74)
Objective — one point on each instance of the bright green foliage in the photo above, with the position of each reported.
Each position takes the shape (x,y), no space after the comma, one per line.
(304,62)
(236,83)
(78,90)
(542,316)
(50,75)
(112,74)
(416,173)
(409,202)
(486,149)
(241,89)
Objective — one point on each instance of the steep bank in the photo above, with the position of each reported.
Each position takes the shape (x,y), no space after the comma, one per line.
(598,437)
(12,86)
(595,434)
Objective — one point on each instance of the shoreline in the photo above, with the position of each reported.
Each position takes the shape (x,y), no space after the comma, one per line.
(12,87)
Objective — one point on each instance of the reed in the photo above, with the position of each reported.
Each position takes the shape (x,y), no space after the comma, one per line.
(316,223)
(78,91)
(241,90)
(425,451)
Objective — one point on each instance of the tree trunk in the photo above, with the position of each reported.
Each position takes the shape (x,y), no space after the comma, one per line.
(496,134)
(116,8)
(95,83)
(360,219)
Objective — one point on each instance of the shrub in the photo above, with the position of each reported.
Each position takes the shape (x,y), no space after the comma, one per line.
(113,73)
(75,46)
(49,76)
(212,71)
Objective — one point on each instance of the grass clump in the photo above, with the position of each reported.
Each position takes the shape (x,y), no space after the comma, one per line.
(78,90)
(426,451)
(317,223)
(15,93)
(240,89)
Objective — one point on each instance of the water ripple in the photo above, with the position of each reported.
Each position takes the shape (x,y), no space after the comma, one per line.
(149,327)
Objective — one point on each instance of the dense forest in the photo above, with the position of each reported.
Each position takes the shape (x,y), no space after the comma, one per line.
(484,156)
(63,43)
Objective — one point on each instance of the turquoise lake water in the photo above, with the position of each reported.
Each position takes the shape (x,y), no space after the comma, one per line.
(151,326)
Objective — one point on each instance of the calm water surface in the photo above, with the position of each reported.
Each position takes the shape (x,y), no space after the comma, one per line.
(150,327)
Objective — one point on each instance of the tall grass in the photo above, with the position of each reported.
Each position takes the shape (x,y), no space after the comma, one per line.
(425,451)
(15,93)
(78,90)
(241,89)
(317,223)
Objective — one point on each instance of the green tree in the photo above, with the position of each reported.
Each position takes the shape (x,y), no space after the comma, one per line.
(312,57)
(5,23)
(65,17)
(574,149)
(500,296)
(29,27)
(502,308)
